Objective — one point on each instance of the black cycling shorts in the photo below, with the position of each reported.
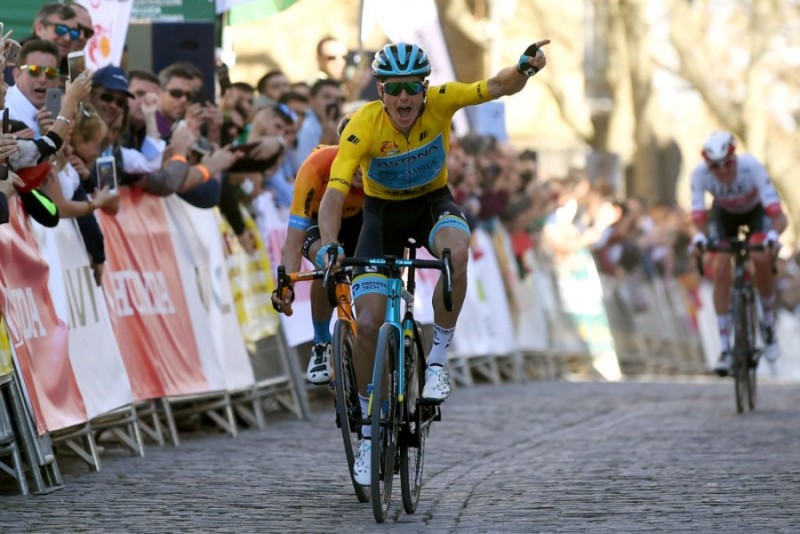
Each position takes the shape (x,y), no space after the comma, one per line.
(388,224)
(724,225)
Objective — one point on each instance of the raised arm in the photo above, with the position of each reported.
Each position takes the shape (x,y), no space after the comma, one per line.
(511,80)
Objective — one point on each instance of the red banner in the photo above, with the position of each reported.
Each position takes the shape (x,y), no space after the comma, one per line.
(146,300)
(38,335)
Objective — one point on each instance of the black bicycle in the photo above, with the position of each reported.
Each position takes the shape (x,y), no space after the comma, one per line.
(746,350)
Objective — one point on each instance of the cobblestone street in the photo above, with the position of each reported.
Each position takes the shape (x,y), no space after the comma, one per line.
(538,457)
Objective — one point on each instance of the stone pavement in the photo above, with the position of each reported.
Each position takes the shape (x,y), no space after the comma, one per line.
(539,457)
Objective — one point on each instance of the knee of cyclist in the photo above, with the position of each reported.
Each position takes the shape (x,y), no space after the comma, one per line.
(760,258)
(369,322)
(722,271)
(368,328)
(459,256)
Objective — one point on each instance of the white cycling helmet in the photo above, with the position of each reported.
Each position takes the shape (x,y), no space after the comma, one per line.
(718,147)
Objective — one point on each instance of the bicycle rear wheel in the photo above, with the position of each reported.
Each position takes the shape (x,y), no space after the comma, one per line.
(417,424)
(345,393)
(385,420)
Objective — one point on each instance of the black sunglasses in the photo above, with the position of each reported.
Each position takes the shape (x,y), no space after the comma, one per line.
(120,101)
(88,33)
(177,93)
(63,29)
(395,88)
(720,164)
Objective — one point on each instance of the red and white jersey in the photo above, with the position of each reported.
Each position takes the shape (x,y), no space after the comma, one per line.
(751,187)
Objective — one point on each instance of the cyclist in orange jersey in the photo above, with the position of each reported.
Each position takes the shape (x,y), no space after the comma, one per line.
(303,238)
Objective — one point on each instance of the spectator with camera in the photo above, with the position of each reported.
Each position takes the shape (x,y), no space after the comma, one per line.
(184,113)
(36,71)
(236,105)
(38,135)
(69,190)
(244,184)
(73,166)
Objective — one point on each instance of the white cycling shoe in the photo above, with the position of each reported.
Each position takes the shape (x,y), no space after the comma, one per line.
(320,366)
(362,472)
(724,364)
(437,383)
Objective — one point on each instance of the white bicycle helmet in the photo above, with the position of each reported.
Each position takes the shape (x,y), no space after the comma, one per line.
(400,59)
(718,147)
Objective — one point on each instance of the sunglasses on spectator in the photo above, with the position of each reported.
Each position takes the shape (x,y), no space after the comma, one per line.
(331,58)
(720,164)
(63,29)
(51,73)
(287,112)
(120,101)
(88,33)
(177,93)
(395,88)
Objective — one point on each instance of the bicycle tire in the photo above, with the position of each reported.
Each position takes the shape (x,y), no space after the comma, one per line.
(753,356)
(742,349)
(415,429)
(385,420)
(345,393)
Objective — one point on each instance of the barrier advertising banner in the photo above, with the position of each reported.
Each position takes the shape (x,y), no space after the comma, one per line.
(80,303)
(207,287)
(38,335)
(147,302)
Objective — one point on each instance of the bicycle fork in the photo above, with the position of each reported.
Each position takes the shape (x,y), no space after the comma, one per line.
(393,311)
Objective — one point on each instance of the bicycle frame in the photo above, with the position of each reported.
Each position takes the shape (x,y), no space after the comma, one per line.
(398,293)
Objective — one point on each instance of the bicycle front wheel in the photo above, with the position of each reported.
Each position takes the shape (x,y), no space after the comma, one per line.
(345,392)
(753,357)
(385,418)
(415,429)
(743,346)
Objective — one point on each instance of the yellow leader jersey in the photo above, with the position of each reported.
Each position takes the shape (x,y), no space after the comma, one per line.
(396,167)
(309,186)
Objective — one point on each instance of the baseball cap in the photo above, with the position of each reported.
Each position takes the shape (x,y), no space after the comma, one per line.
(112,78)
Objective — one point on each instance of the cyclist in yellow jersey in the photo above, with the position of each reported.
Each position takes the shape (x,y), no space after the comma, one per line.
(400,143)
(303,238)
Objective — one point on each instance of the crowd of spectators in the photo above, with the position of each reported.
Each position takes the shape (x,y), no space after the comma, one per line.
(168,137)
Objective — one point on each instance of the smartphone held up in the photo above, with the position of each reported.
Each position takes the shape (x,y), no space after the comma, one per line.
(76,64)
(53,100)
(106,172)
